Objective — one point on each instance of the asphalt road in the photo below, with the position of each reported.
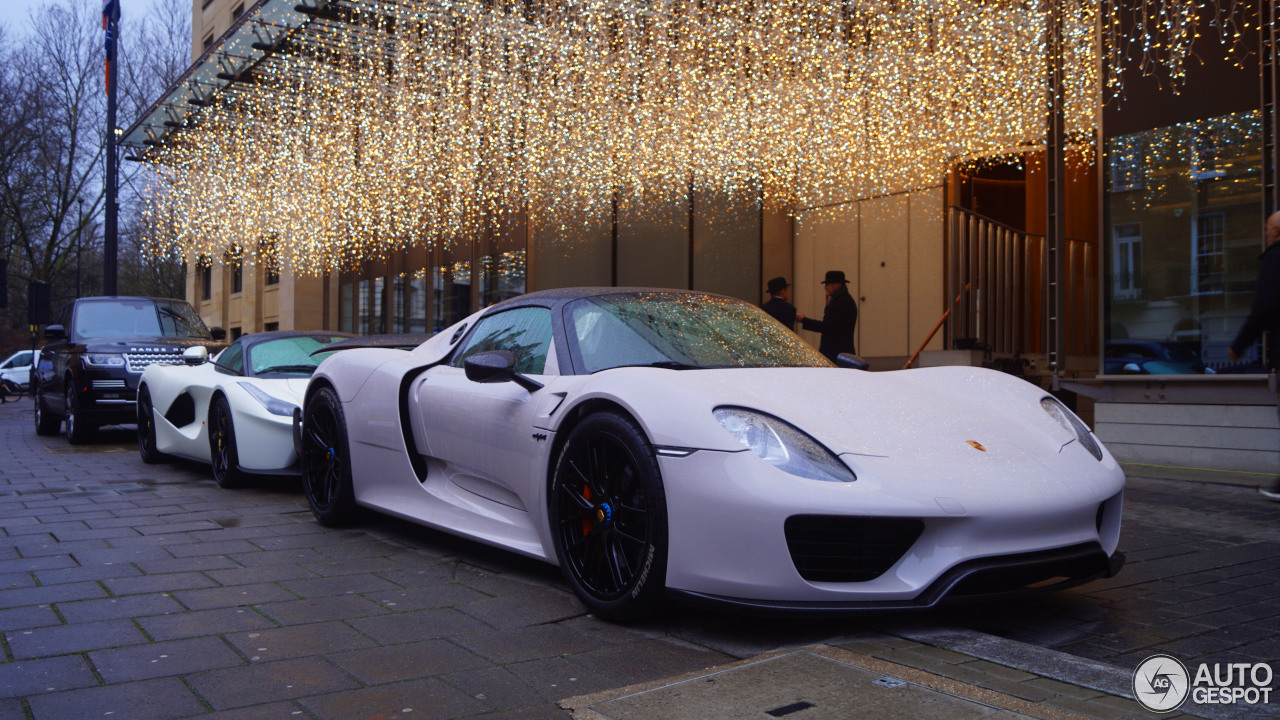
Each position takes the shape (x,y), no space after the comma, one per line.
(146,591)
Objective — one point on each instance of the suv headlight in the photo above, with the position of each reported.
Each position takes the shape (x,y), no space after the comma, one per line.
(1073,424)
(783,445)
(104,359)
(273,404)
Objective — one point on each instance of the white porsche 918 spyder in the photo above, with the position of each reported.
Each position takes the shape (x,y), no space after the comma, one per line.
(659,443)
(234,411)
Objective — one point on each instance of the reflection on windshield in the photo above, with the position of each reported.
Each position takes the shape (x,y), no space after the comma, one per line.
(138,318)
(684,329)
(290,355)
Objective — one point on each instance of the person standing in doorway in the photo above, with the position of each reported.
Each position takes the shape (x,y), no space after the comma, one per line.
(1264,317)
(838,319)
(779,303)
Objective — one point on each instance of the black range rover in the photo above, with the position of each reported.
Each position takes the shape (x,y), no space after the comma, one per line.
(87,373)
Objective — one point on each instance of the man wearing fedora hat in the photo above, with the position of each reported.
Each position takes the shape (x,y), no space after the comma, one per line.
(838,319)
(779,303)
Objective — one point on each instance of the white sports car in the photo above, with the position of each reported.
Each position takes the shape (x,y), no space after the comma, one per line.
(663,442)
(234,411)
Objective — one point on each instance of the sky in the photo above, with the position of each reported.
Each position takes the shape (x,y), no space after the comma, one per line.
(13,13)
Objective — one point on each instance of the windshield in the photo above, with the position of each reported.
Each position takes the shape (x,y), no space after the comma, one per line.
(681,330)
(138,318)
(290,355)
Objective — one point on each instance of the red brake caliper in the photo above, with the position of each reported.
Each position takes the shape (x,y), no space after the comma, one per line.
(586,521)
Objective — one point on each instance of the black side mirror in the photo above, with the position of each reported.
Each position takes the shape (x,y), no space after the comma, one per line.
(55,332)
(852,362)
(495,366)
(217,333)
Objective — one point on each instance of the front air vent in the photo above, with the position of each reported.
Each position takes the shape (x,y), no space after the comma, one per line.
(182,412)
(842,549)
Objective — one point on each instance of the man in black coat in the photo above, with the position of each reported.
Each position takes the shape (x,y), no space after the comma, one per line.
(838,319)
(779,303)
(1264,316)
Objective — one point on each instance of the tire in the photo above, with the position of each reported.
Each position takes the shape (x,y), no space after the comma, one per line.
(46,424)
(223,454)
(9,391)
(147,430)
(608,515)
(326,460)
(79,430)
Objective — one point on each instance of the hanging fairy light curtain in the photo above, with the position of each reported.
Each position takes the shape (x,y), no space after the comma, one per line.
(394,123)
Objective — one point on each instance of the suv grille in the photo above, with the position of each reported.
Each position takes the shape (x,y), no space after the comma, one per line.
(139,361)
(836,548)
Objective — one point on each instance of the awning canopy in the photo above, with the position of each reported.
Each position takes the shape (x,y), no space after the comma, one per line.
(347,128)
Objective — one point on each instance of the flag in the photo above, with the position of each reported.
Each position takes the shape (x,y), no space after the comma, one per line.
(111,24)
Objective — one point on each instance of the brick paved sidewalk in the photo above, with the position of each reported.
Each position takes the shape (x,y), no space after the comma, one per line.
(147,592)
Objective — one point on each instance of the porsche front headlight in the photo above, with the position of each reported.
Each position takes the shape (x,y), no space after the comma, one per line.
(1073,424)
(783,445)
(273,404)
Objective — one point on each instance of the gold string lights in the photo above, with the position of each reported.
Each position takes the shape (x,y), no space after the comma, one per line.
(398,123)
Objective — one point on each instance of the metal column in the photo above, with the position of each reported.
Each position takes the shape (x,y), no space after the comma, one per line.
(1055,185)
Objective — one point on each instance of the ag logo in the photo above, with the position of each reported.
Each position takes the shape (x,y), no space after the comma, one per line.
(1161,683)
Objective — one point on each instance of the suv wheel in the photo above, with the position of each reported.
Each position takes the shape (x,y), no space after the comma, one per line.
(79,431)
(46,424)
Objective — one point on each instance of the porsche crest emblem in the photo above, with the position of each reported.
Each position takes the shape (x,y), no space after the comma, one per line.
(975,445)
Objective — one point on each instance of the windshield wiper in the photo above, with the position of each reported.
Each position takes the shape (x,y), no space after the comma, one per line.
(287,368)
(665,364)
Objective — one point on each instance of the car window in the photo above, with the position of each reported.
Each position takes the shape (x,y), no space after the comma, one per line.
(525,332)
(137,318)
(289,355)
(178,319)
(231,360)
(689,330)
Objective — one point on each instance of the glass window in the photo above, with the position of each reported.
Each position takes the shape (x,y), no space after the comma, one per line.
(362,307)
(696,331)
(231,360)
(1127,261)
(346,295)
(137,318)
(1184,245)
(379,305)
(291,355)
(398,313)
(452,289)
(417,303)
(525,332)
(1208,240)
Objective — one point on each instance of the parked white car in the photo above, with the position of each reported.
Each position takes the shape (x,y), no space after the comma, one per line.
(233,411)
(660,442)
(17,368)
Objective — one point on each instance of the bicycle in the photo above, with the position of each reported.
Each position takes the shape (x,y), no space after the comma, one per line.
(10,391)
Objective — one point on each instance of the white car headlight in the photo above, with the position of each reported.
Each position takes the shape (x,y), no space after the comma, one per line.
(782,445)
(274,405)
(1073,424)
(104,359)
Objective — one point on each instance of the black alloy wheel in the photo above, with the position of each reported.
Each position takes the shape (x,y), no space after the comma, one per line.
(222,445)
(147,430)
(46,424)
(326,460)
(608,516)
(79,431)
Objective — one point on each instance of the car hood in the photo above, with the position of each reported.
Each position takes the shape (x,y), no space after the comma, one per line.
(885,414)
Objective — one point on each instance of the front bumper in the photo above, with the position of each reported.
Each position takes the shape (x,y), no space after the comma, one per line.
(981,535)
